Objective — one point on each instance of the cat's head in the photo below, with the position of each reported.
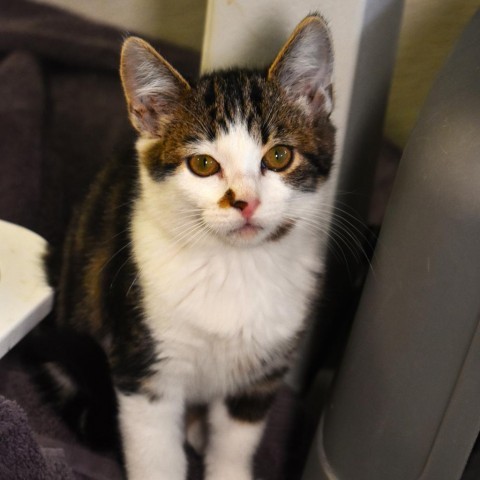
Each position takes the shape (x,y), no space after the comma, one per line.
(241,156)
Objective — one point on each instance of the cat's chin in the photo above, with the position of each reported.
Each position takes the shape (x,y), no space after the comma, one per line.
(247,231)
(245,235)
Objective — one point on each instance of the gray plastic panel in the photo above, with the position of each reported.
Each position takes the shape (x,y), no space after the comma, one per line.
(406,403)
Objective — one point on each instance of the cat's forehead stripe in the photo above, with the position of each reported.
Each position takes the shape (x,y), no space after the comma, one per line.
(233,94)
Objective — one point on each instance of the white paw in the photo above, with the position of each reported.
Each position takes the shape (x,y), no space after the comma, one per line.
(228,472)
(166,470)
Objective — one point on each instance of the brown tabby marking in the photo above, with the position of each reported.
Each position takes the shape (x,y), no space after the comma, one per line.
(281,231)
(93,286)
(227,200)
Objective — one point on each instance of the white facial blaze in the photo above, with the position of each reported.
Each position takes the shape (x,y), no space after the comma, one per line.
(242,155)
(239,155)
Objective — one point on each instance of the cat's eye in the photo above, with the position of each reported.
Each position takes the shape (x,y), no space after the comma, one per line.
(278,158)
(203,165)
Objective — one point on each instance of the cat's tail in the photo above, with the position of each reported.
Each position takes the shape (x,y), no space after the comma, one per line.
(72,373)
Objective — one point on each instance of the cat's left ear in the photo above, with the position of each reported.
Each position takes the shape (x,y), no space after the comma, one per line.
(152,86)
(304,66)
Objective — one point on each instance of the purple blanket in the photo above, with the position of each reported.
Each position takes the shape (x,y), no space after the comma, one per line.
(20,455)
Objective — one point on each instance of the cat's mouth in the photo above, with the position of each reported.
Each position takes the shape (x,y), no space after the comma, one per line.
(247,230)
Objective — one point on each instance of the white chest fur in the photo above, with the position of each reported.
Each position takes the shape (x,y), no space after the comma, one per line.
(218,313)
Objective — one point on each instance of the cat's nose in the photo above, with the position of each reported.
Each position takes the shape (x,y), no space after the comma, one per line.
(247,208)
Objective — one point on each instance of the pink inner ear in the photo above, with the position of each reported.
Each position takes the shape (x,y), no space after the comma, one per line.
(147,111)
(319,100)
(144,116)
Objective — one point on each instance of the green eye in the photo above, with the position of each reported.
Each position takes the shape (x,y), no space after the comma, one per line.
(278,158)
(203,165)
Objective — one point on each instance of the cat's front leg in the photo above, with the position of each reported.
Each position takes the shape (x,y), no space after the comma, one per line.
(152,436)
(236,427)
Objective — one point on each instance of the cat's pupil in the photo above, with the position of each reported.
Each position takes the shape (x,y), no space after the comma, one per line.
(280,154)
(205,163)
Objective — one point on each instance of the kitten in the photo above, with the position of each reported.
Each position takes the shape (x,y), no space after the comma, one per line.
(194,267)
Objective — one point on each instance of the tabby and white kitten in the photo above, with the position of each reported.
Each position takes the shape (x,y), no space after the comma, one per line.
(194,268)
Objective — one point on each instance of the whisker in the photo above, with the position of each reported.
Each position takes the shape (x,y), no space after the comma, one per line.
(337,229)
(198,237)
(316,228)
(132,284)
(190,222)
(188,232)
(115,254)
(118,271)
(190,216)
(339,219)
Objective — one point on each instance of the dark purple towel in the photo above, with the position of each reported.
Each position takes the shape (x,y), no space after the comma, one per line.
(20,455)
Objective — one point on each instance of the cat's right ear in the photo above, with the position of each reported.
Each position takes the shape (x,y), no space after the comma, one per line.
(152,86)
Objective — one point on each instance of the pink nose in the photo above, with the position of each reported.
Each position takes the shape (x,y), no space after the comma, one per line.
(247,208)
